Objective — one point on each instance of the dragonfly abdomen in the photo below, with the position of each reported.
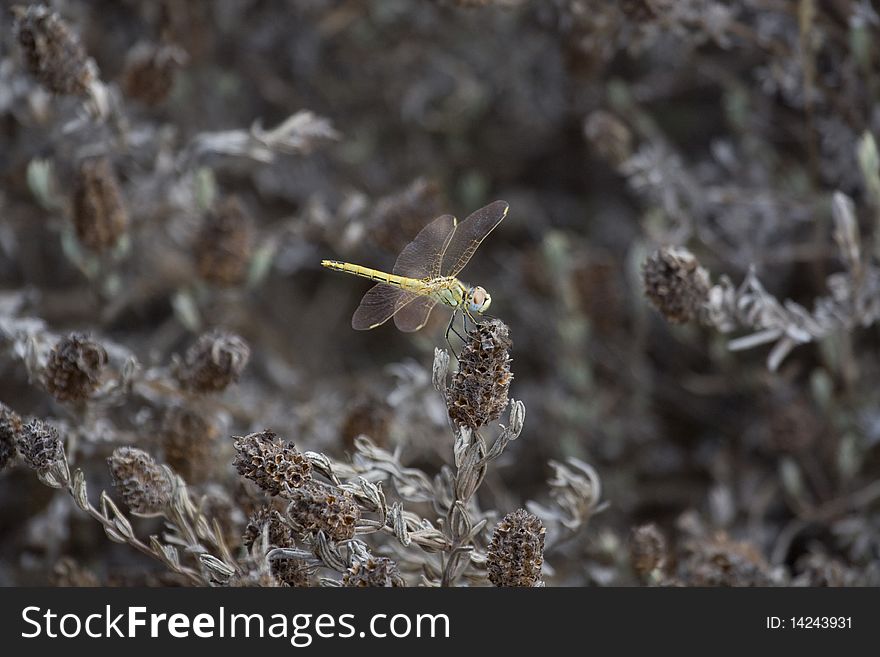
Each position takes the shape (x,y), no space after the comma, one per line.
(372,274)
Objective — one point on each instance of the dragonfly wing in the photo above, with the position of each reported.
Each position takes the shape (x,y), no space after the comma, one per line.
(469,234)
(421,258)
(379,304)
(414,315)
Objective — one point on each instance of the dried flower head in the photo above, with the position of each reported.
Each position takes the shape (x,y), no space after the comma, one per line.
(292,572)
(10,428)
(73,371)
(273,464)
(609,136)
(213,362)
(145,486)
(718,560)
(375,572)
(675,283)
(225,243)
(280,534)
(188,439)
(318,507)
(478,392)
(647,547)
(52,52)
(516,553)
(149,72)
(39,444)
(100,216)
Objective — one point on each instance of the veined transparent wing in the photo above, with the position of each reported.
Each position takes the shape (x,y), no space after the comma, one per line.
(380,303)
(469,234)
(414,315)
(422,257)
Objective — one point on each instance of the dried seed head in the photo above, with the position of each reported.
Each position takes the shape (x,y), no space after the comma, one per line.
(10,428)
(316,507)
(675,283)
(74,369)
(188,439)
(100,216)
(375,572)
(720,561)
(280,533)
(52,52)
(225,243)
(647,549)
(478,392)
(609,136)
(516,552)
(145,486)
(149,72)
(213,362)
(274,465)
(39,444)
(292,572)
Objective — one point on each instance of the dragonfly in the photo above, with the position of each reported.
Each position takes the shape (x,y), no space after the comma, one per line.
(425,274)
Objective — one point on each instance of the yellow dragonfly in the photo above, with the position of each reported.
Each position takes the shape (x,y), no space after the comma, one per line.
(425,274)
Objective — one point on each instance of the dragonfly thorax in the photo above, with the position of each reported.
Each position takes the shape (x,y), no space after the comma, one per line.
(452,292)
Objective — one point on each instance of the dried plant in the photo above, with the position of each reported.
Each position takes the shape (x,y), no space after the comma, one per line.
(74,368)
(689,183)
(100,216)
(516,552)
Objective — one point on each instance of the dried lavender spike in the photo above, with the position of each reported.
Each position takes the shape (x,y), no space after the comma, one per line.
(52,52)
(317,508)
(274,465)
(269,523)
(479,389)
(39,445)
(100,215)
(216,360)
(373,572)
(224,246)
(516,552)
(10,428)
(675,283)
(74,369)
(145,486)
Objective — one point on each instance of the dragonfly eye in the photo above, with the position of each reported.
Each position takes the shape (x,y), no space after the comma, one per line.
(480,300)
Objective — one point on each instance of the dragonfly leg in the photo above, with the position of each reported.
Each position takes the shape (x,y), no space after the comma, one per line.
(451,327)
(469,316)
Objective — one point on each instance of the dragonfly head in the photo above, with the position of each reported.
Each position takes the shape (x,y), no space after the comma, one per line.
(478,300)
